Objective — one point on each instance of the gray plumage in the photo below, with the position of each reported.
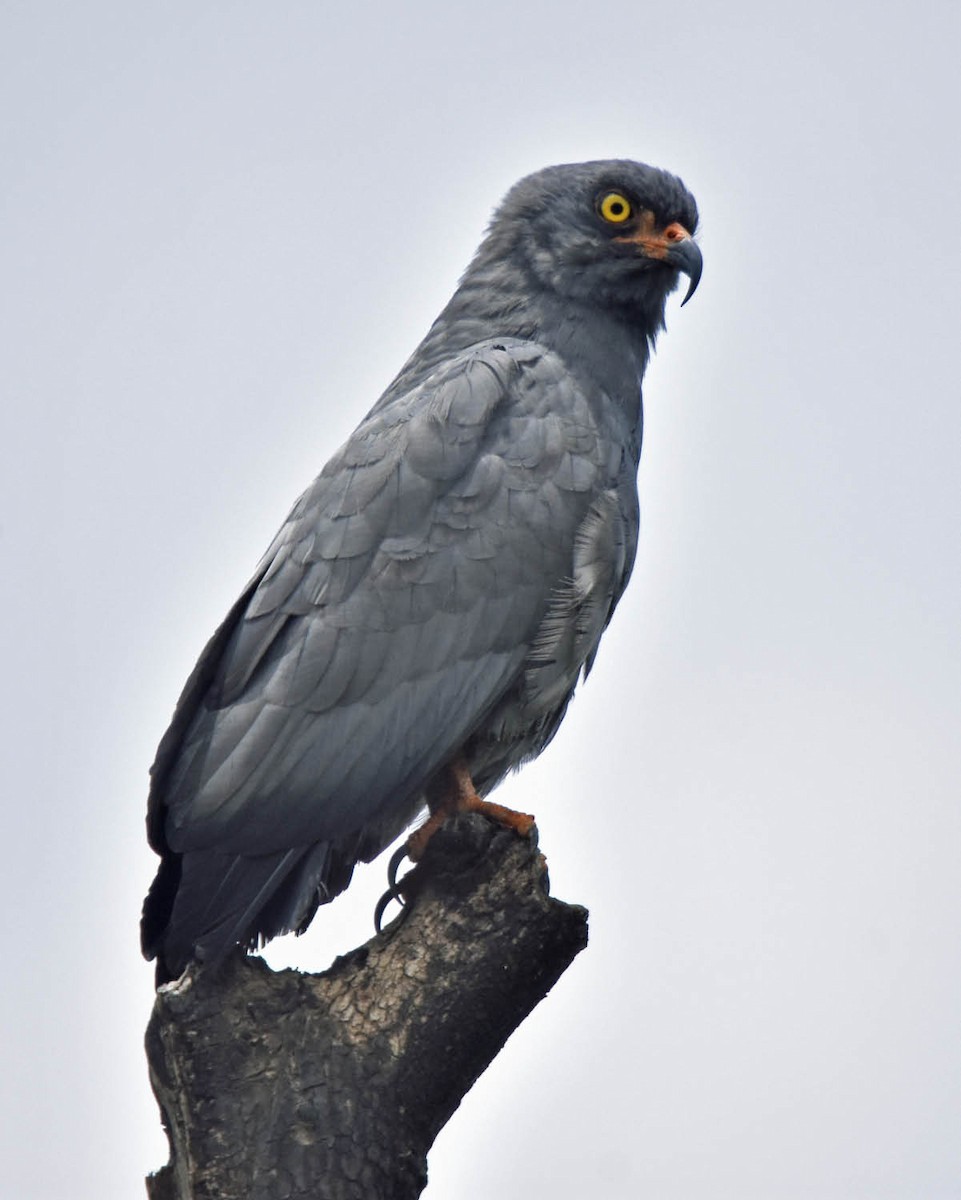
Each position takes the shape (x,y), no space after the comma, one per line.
(440,587)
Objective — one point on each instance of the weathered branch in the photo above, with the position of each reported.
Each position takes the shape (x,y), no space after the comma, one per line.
(284,1085)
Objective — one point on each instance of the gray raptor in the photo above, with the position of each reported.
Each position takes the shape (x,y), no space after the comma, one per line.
(418,625)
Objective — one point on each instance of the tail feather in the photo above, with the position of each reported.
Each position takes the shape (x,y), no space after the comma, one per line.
(202,904)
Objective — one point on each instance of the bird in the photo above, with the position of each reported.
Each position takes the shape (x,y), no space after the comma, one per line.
(416,629)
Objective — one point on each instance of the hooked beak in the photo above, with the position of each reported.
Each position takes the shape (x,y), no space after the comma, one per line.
(672,245)
(686,256)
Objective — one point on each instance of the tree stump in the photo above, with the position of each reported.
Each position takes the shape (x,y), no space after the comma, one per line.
(284,1085)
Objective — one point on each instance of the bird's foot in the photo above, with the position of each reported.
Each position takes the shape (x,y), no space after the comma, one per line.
(520,823)
(460,796)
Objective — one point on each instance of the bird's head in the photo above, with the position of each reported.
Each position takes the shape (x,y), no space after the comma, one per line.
(612,233)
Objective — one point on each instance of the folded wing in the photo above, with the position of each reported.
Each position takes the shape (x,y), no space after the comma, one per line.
(396,608)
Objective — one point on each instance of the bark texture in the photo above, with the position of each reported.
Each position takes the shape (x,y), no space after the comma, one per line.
(285,1085)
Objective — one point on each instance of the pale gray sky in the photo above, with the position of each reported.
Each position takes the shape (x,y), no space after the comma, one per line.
(222,229)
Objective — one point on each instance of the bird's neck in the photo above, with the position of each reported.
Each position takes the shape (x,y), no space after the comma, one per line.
(608,352)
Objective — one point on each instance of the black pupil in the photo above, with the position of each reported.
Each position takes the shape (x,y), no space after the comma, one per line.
(617,207)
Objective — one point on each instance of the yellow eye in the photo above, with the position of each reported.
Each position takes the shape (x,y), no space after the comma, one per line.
(615,208)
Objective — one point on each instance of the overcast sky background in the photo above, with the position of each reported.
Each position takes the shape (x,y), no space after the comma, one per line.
(223,227)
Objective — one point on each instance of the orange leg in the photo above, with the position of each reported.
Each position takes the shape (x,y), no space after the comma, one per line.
(462,796)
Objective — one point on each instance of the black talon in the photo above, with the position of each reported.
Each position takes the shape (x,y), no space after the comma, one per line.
(393,888)
(382,908)
(392,868)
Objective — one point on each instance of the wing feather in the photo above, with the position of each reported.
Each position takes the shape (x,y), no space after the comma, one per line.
(395,608)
